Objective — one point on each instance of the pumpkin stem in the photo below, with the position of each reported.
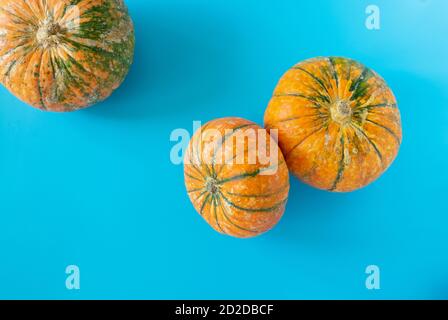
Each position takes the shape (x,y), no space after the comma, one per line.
(48,33)
(341,112)
(211,185)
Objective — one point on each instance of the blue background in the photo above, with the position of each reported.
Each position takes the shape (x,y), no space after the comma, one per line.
(96,188)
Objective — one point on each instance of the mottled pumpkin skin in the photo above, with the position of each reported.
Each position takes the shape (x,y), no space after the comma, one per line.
(235,198)
(64,55)
(338,121)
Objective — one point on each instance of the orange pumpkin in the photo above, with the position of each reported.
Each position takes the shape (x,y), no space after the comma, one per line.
(64,55)
(338,123)
(235,191)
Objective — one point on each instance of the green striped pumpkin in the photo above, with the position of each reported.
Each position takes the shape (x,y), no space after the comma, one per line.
(64,55)
(237,198)
(338,122)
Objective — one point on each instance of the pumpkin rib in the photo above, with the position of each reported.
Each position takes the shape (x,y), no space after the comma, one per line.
(227,136)
(387,113)
(21,21)
(349,71)
(80,84)
(355,84)
(16,48)
(223,140)
(240,176)
(323,98)
(70,21)
(195,190)
(215,207)
(334,73)
(318,121)
(380,156)
(39,9)
(311,171)
(391,117)
(39,85)
(252,174)
(198,171)
(317,80)
(252,210)
(94,49)
(357,88)
(267,195)
(224,212)
(44,7)
(327,150)
(299,117)
(298,95)
(204,204)
(31,84)
(303,141)
(50,86)
(369,108)
(31,16)
(79,65)
(199,156)
(387,129)
(200,195)
(341,168)
(193,177)
(230,161)
(13,63)
(53,69)
(79,81)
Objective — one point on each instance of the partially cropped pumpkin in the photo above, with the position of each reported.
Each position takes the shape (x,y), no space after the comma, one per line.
(338,122)
(233,190)
(64,55)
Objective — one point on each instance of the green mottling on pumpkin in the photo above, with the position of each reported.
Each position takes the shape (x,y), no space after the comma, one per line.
(100,21)
(333,71)
(104,39)
(113,57)
(360,86)
(341,165)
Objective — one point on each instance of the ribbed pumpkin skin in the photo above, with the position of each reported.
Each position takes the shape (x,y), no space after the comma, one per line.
(338,121)
(64,55)
(235,199)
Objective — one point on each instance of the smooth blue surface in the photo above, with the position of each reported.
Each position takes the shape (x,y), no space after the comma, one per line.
(96,188)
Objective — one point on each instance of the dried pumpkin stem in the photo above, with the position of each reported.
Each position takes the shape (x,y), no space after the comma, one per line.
(341,112)
(211,185)
(48,34)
